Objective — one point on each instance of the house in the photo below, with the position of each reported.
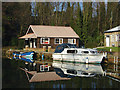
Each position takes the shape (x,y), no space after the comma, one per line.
(112,37)
(39,36)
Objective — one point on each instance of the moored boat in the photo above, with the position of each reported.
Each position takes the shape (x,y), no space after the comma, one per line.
(70,53)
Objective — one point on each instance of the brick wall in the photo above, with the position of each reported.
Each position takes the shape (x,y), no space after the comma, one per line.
(52,43)
(116,43)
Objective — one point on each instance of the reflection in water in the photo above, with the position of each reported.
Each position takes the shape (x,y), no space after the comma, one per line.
(76,72)
(82,70)
(27,59)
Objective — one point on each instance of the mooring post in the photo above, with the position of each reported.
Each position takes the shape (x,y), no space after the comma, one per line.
(42,57)
(114,67)
(87,60)
(117,59)
(114,59)
(105,54)
(87,66)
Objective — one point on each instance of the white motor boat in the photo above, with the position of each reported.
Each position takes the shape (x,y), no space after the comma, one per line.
(68,52)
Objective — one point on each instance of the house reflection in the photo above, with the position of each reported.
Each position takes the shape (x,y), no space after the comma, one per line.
(41,72)
(39,67)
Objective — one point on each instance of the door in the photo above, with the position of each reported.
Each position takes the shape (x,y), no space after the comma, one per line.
(34,46)
(107,41)
(30,43)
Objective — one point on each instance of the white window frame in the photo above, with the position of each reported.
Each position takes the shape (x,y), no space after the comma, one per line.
(26,38)
(112,38)
(45,43)
(59,40)
(72,41)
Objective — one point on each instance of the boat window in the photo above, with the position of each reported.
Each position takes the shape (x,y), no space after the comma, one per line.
(85,52)
(92,74)
(72,71)
(85,73)
(72,45)
(92,51)
(71,51)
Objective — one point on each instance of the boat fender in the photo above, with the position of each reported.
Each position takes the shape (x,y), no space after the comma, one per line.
(87,66)
(20,56)
(15,55)
(87,60)
(42,57)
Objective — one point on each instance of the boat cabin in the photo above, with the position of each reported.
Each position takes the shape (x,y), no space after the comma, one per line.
(67,48)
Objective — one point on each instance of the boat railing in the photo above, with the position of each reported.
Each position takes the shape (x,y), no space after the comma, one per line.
(104,53)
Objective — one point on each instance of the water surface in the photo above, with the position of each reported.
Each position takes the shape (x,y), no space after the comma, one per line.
(14,77)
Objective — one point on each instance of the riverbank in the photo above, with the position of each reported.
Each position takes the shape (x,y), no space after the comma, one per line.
(113,54)
(109,49)
(113,57)
(38,53)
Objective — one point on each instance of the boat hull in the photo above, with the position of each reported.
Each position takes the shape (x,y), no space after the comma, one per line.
(78,58)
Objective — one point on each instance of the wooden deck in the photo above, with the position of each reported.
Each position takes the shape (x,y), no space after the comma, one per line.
(114,75)
(43,76)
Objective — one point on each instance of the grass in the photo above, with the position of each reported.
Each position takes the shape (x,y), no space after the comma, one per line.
(114,49)
(11,47)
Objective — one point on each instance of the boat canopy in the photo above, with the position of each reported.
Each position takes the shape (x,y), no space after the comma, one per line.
(61,47)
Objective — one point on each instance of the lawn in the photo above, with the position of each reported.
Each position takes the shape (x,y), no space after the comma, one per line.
(114,49)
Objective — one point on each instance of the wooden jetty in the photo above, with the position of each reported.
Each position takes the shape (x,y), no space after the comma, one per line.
(43,76)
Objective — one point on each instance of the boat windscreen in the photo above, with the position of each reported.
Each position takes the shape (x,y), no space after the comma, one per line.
(61,47)
(72,46)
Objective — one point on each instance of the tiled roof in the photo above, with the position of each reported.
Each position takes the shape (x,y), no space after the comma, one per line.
(53,31)
(30,35)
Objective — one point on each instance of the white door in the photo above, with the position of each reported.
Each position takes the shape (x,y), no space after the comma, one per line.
(34,46)
(107,41)
(30,44)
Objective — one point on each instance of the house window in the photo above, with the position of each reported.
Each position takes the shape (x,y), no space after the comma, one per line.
(58,40)
(112,38)
(72,41)
(118,37)
(45,40)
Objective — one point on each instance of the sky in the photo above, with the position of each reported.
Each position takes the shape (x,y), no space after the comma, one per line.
(33,4)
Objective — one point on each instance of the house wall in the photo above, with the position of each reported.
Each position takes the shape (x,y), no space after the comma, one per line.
(52,43)
(116,43)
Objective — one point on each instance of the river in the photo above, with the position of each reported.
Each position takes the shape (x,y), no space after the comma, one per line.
(93,77)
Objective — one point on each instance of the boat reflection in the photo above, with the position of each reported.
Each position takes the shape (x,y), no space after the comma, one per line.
(24,59)
(77,69)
